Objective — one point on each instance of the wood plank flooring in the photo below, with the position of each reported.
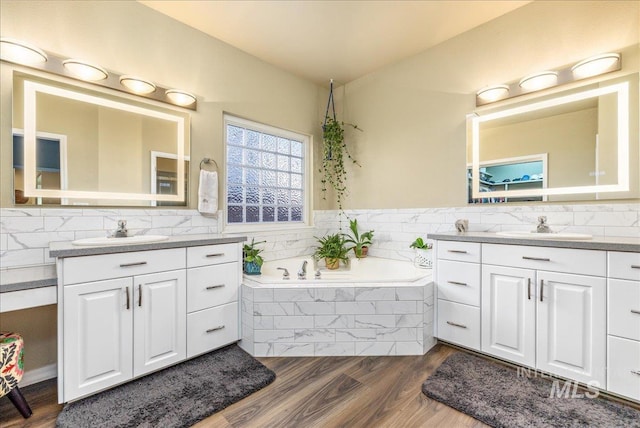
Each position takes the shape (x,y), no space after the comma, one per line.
(309,392)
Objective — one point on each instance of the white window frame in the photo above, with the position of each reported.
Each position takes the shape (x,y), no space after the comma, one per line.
(307,178)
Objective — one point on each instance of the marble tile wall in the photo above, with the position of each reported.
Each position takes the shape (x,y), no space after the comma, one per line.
(395,229)
(333,321)
(25,233)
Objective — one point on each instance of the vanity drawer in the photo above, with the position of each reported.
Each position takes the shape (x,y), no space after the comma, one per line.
(209,286)
(212,328)
(460,251)
(106,266)
(212,254)
(623,375)
(624,308)
(459,282)
(624,265)
(569,260)
(459,324)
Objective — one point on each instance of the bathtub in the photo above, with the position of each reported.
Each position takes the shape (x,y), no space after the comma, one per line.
(373,306)
(372,270)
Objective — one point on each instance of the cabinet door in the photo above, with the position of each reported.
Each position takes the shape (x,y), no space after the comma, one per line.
(509,314)
(572,326)
(97,341)
(159,335)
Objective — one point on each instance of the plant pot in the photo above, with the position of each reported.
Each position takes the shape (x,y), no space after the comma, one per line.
(331,263)
(423,259)
(252,268)
(363,252)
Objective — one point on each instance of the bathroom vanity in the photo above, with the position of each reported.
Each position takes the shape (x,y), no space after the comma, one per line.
(564,307)
(127,310)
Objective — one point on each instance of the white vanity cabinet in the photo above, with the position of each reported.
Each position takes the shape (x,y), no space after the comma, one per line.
(212,297)
(536,314)
(623,340)
(458,288)
(127,314)
(120,328)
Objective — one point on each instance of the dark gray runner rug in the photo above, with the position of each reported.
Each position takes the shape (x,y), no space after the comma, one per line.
(178,396)
(497,396)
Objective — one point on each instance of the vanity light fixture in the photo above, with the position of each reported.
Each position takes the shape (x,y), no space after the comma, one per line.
(85,70)
(493,93)
(535,82)
(595,65)
(179,97)
(20,52)
(592,66)
(137,84)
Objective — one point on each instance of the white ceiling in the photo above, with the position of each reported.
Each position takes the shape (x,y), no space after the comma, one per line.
(343,40)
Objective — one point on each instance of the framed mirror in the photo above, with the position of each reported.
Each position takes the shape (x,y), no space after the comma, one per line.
(571,146)
(77,146)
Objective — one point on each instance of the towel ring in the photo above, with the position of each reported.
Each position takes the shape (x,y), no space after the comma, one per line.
(208,161)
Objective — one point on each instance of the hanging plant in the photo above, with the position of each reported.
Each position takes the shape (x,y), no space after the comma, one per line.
(334,155)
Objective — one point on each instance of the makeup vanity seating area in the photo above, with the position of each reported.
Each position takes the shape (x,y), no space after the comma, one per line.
(128,310)
(566,308)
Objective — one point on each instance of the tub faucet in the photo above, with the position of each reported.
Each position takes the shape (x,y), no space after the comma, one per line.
(302,273)
(121,231)
(542,225)
(285,274)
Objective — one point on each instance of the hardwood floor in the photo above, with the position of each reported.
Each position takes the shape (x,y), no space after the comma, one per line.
(309,392)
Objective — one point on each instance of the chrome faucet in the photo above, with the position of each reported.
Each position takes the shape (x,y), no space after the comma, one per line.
(285,274)
(542,225)
(302,273)
(121,231)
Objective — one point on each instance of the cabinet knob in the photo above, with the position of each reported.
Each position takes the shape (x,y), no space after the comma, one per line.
(539,259)
(211,330)
(457,251)
(634,311)
(457,283)
(212,287)
(215,255)
(133,264)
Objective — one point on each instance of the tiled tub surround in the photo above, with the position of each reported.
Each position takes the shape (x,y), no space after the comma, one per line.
(337,318)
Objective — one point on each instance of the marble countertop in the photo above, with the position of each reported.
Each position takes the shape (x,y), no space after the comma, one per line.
(27,278)
(595,243)
(67,249)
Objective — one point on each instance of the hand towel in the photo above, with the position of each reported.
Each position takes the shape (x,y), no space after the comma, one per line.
(208,192)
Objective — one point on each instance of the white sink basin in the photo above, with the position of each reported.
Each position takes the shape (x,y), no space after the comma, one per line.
(535,235)
(137,239)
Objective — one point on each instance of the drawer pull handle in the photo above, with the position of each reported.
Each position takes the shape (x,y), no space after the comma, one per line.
(541,288)
(457,251)
(635,266)
(211,330)
(634,311)
(211,287)
(529,288)
(133,264)
(635,372)
(128,299)
(215,255)
(139,295)
(457,283)
(539,259)
(456,324)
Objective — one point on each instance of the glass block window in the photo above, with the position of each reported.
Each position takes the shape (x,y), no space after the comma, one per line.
(266,174)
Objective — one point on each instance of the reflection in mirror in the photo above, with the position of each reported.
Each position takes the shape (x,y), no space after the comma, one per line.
(74,146)
(576,144)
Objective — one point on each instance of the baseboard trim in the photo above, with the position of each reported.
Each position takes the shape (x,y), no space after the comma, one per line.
(38,375)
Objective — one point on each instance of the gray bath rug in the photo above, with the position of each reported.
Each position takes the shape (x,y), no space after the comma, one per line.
(497,396)
(178,396)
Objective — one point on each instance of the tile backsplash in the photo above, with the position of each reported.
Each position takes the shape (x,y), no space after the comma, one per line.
(25,233)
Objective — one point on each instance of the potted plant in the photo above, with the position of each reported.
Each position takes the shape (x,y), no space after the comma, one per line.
(423,255)
(361,242)
(252,261)
(332,249)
